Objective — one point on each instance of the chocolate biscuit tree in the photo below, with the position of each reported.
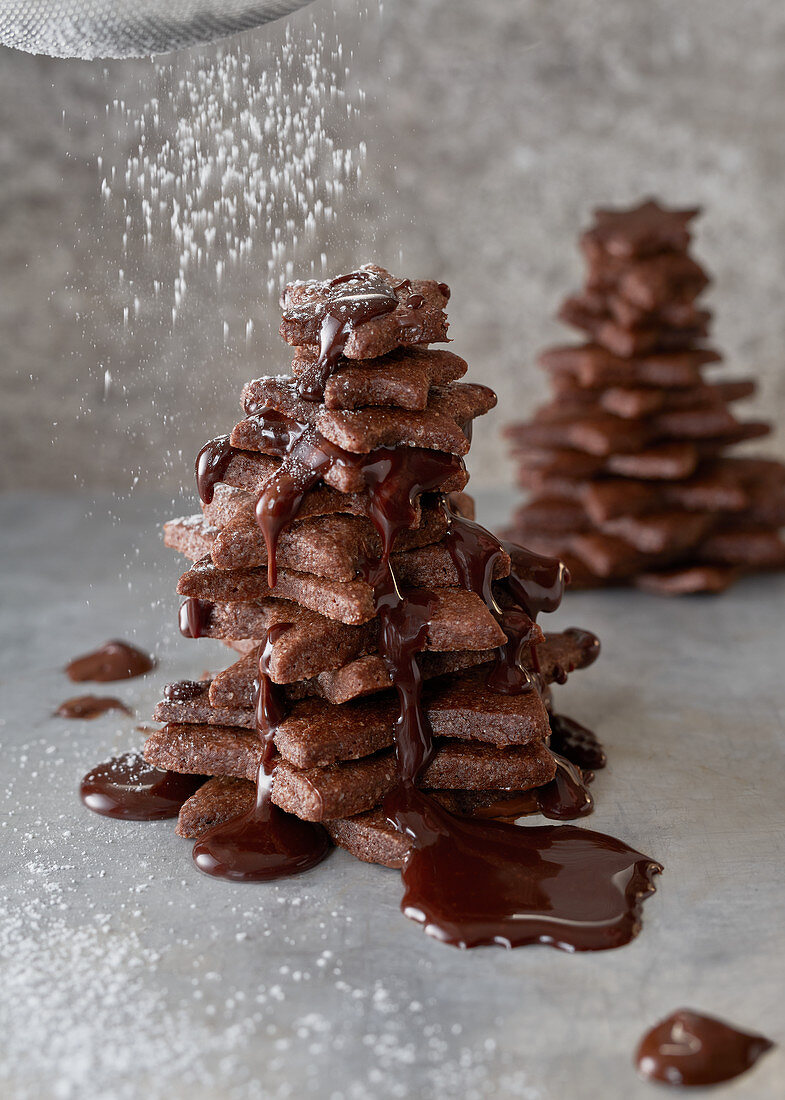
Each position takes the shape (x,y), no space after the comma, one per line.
(628,468)
(389,691)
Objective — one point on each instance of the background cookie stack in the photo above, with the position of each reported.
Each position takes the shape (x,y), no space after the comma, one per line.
(627,464)
(395,423)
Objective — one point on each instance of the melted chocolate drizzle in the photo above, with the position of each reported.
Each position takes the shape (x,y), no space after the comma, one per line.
(690,1049)
(211,464)
(195,616)
(534,584)
(565,798)
(128,787)
(277,431)
(111,661)
(395,477)
(509,675)
(265,843)
(403,629)
(183,691)
(90,706)
(306,460)
(352,300)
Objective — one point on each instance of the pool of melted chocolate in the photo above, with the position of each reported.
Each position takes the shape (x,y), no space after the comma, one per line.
(472,883)
(127,787)
(263,844)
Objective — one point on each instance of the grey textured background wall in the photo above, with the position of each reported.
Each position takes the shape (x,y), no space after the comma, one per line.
(492,129)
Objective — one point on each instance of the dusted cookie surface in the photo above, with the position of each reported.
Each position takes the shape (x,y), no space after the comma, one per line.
(417,317)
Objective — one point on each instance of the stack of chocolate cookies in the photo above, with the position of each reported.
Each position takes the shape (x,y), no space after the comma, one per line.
(627,465)
(336,554)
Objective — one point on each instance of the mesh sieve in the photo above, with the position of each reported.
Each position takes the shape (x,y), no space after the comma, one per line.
(129,28)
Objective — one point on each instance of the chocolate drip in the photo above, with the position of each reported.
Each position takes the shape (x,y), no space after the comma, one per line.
(536,583)
(112,661)
(396,476)
(211,465)
(278,432)
(89,706)
(195,616)
(356,298)
(475,552)
(576,742)
(127,787)
(509,675)
(690,1049)
(306,460)
(264,843)
(415,301)
(185,690)
(403,629)
(565,798)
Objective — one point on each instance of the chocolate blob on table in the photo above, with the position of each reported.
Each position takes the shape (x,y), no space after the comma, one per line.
(690,1050)
(390,691)
(111,661)
(90,706)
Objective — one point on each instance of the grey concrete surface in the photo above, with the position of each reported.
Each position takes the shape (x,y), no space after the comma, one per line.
(126,974)
(492,128)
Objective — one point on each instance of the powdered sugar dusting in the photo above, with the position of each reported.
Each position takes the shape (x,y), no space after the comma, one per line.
(240,163)
(230,171)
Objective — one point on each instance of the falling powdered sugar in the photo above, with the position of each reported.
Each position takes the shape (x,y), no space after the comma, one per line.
(242,162)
